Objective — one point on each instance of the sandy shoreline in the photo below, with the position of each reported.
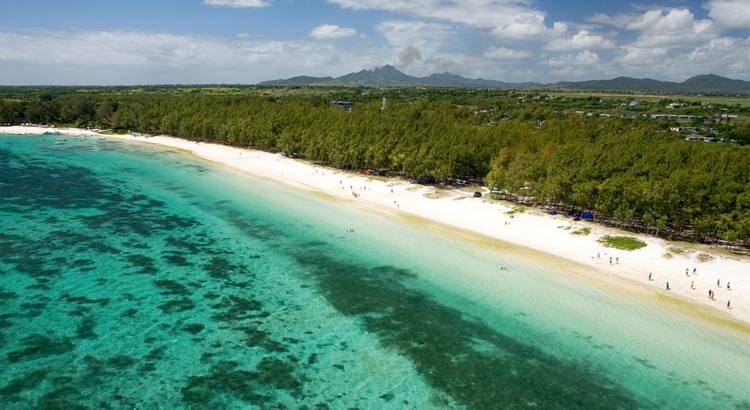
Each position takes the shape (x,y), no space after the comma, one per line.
(532,229)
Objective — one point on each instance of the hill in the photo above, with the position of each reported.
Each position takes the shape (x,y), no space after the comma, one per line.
(706,83)
(389,76)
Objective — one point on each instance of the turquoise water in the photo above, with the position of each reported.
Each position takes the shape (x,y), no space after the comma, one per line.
(134,276)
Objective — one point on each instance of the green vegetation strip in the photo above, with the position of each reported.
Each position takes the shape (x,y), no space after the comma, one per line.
(625,243)
(584,231)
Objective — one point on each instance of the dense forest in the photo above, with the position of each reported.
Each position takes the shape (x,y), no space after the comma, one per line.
(631,171)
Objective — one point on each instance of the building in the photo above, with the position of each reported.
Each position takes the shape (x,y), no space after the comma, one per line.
(634,104)
(696,137)
(343,105)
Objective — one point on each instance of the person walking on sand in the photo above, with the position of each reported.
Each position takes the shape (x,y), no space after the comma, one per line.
(728,286)
(692,285)
(694,269)
(718,283)
(687,272)
(649,276)
(709,294)
(728,301)
(597,255)
(617,260)
(610,260)
(667,285)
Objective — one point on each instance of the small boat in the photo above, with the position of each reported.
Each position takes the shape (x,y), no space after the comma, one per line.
(61,139)
(56,132)
(59,143)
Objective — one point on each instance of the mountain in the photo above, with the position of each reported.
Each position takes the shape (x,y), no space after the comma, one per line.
(390,76)
(706,83)
(712,83)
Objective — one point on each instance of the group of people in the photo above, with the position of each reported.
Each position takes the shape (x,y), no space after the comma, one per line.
(711,293)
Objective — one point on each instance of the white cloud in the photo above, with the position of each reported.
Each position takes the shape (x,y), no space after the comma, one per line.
(620,20)
(505,18)
(418,34)
(237,3)
(331,31)
(530,27)
(584,58)
(678,28)
(730,13)
(502,52)
(135,57)
(581,41)
(723,56)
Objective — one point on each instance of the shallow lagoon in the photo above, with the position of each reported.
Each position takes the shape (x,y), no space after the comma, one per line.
(139,276)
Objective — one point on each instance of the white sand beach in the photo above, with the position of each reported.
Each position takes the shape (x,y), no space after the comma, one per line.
(549,237)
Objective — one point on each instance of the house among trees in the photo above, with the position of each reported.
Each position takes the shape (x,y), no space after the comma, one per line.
(343,105)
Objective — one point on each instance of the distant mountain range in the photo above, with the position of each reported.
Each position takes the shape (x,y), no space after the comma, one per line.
(390,76)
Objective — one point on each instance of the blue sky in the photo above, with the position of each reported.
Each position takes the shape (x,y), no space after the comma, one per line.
(82,42)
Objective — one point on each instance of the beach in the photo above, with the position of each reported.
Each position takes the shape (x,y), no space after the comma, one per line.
(548,238)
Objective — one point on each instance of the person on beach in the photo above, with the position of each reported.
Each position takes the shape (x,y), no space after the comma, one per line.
(694,269)
(709,294)
(597,255)
(687,272)
(718,283)
(728,304)
(692,285)
(667,285)
(391,190)
(610,260)
(728,286)
(649,276)
(617,260)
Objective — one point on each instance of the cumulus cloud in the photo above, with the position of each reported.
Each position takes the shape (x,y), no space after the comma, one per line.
(584,58)
(331,31)
(419,34)
(502,52)
(237,3)
(505,18)
(134,57)
(530,27)
(729,13)
(581,41)
(723,56)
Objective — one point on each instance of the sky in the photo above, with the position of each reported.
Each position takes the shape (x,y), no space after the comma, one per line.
(137,42)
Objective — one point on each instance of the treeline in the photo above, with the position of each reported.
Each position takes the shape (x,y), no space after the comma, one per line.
(631,171)
(634,176)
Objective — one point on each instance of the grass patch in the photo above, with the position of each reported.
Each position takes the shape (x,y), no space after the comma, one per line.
(519,210)
(676,250)
(584,231)
(459,198)
(704,257)
(567,228)
(624,243)
(668,255)
(414,188)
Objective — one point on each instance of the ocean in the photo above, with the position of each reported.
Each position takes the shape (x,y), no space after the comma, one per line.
(137,276)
